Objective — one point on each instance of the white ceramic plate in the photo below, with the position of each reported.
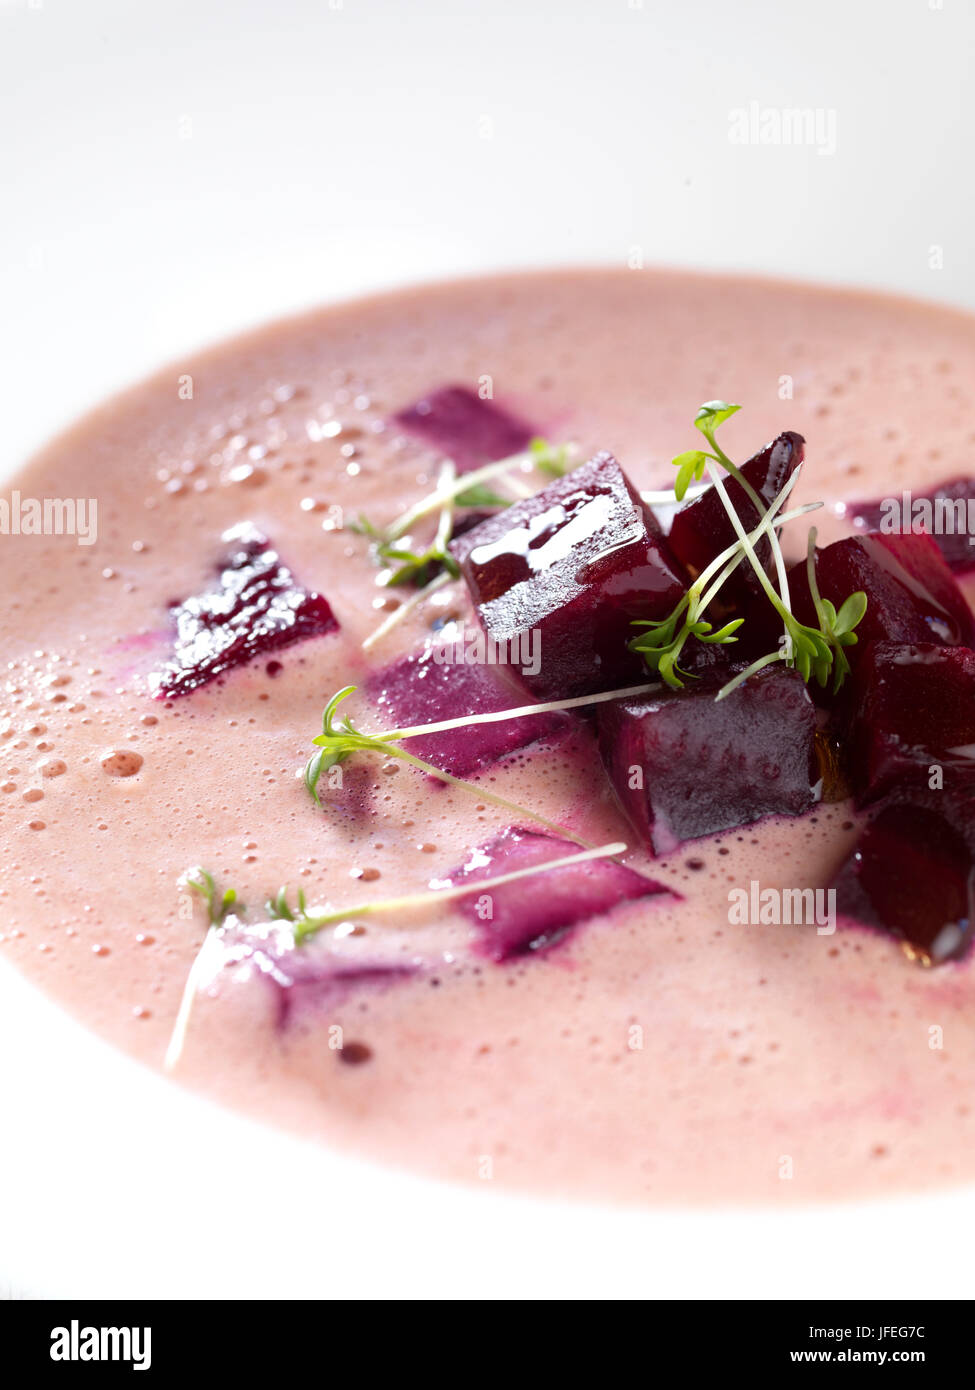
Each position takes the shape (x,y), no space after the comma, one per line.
(180,170)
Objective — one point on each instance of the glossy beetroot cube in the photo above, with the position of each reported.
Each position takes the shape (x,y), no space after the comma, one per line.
(685,765)
(947,513)
(912,875)
(911,594)
(915,708)
(419,690)
(255,607)
(455,421)
(569,569)
(702,528)
(533,914)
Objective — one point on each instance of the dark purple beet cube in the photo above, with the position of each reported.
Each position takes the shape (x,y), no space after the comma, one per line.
(419,690)
(702,528)
(534,913)
(915,708)
(685,765)
(911,594)
(947,513)
(255,607)
(912,875)
(455,421)
(570,569)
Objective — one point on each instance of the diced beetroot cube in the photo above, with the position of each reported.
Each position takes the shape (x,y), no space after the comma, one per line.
(944,512)
(570,568)
(255,608)
(702,528)
(912,874)
(419,690)
(915,707)
(911,594)
(465,428)
(534,913)
(685,765)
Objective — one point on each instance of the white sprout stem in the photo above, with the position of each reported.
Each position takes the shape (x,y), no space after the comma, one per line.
(759,505)
(177,1040)
(737,547)
(448,476)
(496,716)
(200,964)
(446,895)
(523,461)
(484,795)
(740,546)
(610,851)
(396,617)
(520,489)
(751,670)
(743,537)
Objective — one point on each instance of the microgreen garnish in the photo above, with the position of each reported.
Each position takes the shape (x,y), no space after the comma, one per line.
(305,924)
(340,738)
(664,640)
(481,496)
(836,627)
(548,459)
(217,904)
(692,464)
(414,566)
(405,609)
(813,651)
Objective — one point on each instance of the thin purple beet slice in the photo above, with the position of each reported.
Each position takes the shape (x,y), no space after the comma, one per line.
(702,528)
(308,976)
(947,513)
(912,874)
(911,594)
(465,428)
(685,765)
(419,690)
(915,710)
(533,914)
(255,607)
(569,569)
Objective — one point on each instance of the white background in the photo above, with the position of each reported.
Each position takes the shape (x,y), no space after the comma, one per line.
(174,171)
(171,172)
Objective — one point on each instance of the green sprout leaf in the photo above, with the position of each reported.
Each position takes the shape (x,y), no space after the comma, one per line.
(551,459)
(850,614)
(340,738)
(836,628)
(303,922)
(690,468)
(218,904)
(711,415)
(414,567)
(481,496)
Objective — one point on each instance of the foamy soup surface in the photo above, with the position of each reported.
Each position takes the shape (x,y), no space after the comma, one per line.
(660,1052)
